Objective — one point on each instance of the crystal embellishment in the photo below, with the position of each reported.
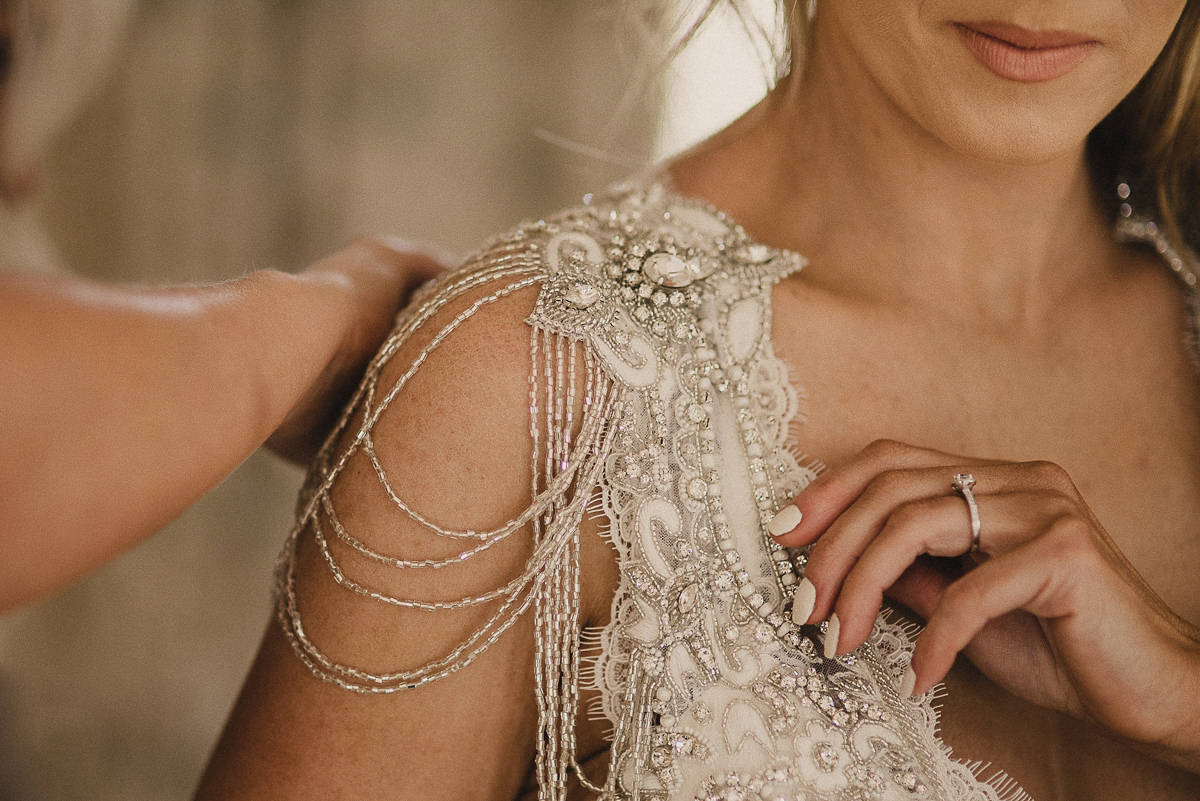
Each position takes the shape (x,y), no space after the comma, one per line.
(582,296)
(643,399)
(666,269)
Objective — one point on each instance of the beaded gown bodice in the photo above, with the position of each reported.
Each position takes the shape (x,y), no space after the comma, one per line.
(653,318)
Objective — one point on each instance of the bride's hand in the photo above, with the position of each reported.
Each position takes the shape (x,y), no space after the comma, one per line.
(1048,607)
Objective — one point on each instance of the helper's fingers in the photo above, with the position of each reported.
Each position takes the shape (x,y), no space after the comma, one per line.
(417,262)
(370,280)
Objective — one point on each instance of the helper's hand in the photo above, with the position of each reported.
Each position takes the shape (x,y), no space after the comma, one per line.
(1048,607)
(376,278)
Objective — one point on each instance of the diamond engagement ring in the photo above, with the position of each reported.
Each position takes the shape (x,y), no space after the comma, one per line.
(963,484)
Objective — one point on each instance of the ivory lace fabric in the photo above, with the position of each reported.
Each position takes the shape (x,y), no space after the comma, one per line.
(712,691)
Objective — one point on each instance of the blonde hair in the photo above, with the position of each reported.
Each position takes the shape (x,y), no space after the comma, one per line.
(1151,140)
(664,28)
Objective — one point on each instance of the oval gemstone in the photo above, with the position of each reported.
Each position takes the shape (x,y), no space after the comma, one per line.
(666,269)
(687,598)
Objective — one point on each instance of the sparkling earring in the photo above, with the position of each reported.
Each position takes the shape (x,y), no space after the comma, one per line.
(1123,192)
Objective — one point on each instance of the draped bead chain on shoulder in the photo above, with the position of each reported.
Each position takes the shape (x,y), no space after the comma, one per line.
(656,399)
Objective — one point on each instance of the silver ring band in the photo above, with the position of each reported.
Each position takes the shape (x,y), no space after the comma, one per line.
(963,484)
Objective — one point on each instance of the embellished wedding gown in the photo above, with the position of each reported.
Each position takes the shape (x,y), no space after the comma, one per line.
(713,692)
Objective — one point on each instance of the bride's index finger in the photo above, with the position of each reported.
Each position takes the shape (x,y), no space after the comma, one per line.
(833,491)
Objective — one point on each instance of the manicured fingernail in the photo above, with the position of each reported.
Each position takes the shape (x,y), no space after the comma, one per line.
(908,682)
(785,520)
(831,636)
(803,602)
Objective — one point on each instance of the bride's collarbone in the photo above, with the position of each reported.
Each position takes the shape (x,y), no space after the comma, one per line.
(1119,409)
(1113,399)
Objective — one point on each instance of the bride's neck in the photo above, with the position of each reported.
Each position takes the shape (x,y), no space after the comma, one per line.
(886,212)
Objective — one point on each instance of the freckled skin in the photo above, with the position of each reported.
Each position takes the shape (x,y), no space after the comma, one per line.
(963,293)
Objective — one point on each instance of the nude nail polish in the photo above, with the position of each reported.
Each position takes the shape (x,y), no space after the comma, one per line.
(831,636)
(908,682)
(803,601)
(785,520)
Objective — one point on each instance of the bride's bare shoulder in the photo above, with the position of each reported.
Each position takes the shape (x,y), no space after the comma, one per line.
(435,448)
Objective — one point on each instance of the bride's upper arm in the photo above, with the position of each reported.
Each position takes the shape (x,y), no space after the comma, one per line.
(451,442)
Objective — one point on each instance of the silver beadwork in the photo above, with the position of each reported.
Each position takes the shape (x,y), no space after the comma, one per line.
(637,402)
(582,296)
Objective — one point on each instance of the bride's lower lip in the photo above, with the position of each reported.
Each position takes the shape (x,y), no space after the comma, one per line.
(1024,64)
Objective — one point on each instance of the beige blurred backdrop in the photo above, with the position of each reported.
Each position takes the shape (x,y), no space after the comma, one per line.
(193,140)
(228,135)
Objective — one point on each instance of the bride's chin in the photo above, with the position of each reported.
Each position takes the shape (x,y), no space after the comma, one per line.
(1018,143)
(1000,131)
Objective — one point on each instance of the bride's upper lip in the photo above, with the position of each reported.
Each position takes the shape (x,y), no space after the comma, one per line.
(1026,39)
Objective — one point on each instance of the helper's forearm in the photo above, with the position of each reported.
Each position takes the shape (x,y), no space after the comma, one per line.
(119,407)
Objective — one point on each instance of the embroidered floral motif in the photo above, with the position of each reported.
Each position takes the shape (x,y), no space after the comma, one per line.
(712,692)
(700,467)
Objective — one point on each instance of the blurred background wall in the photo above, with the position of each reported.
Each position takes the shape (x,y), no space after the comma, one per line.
(228,135)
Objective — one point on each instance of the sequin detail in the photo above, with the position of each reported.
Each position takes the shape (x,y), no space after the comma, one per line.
(712,691)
